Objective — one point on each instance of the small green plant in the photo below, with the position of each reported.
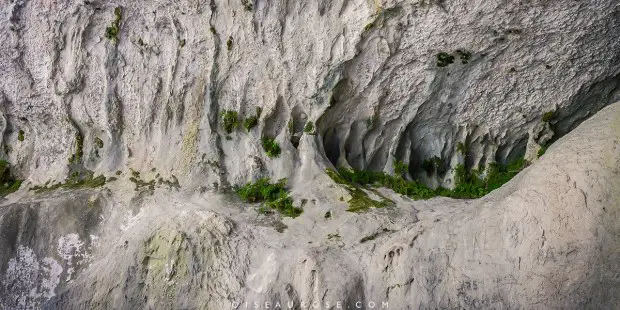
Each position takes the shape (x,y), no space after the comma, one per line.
(112,31)
(542,151)
(309,127)
(229,43)
(98,142)
(547,116)
(444,59)
(8,182)
(272,196)
(271,147)
(291,125)
(182,43)
(250,122)
(462,148)
(20,135)
(463,55)
(368,26)
(230,120)
(118,172)
(400,168)
(328,215)
(431,165)
(79,149)
(259,111)
(212,29)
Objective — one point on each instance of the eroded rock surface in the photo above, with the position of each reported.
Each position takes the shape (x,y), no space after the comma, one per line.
(547,239)
(365,72)
(136,89)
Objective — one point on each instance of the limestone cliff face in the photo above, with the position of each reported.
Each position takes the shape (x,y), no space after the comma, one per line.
(547,239)
(143,85)
(365,72)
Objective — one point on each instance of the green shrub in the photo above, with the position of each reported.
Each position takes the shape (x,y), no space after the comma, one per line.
(271,147)
(309,127)
(250,122)
(444,59)
(468,184)
(213,31)
(182,43)
(431,165)
(461,148)
(230,120)
(272,196)
(112,31)
(20,135)
(368,27)
(400,167)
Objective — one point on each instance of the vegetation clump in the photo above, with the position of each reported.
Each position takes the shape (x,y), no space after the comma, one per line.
(20,135)
(250,122)
(230,120)
(79,149)
(309,127)
(542,151)
(431,165)
(112,31)
(400,168)
(468,184)
(368,26)
(182,43)
(444,59)
(248,5)
(273,196)
(463,55)
(360,201)
(8,182)
(98,142)
(229,43)
(547,116)
(77,179)
(271,147)
(461,148)
(172,183)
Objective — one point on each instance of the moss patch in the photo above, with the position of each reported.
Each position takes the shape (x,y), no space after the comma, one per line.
(77,179)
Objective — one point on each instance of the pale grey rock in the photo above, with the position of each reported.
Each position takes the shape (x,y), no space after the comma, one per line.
(547,239)
(366,74)
(155,102)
